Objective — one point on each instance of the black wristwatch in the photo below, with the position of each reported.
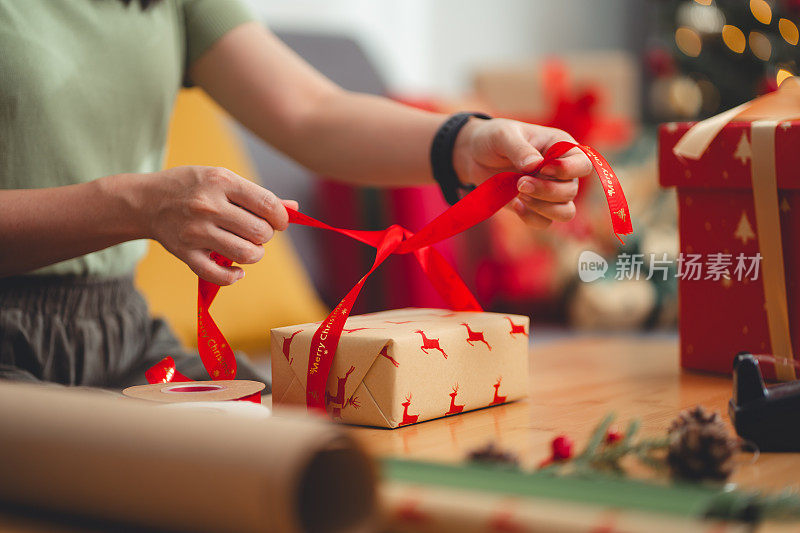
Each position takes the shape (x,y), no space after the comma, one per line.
(442,156)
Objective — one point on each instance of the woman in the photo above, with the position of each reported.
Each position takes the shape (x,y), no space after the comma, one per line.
(86,89)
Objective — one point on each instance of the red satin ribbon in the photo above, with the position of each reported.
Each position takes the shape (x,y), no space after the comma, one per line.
(480,204)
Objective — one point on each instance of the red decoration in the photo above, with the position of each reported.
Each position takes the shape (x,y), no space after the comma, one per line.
(613,436)
(660,62)
(719,318)
(561,450)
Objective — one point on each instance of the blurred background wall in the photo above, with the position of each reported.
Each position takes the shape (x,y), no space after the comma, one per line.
(431,47)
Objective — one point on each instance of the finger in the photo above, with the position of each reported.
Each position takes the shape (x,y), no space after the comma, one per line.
(571,165)
(206,268)
(557,212)
(234,247)
(512,144)
(245,224)
(531,218)
(548,189)
(293,204)
(568,167)
(259,201)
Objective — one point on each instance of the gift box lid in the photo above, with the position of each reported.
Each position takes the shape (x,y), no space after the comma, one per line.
(726,162)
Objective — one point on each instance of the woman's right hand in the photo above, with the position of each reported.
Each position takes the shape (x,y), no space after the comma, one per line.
(195,210)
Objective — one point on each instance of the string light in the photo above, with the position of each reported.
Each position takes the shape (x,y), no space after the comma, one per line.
(783,75)
(688,41)
(760,45)
(734,38)
(761,11)
(704,2)
(788,31)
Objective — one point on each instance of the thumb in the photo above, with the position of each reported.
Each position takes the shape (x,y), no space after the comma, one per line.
(516,148)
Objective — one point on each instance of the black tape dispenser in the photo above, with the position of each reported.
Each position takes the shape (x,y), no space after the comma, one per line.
(766,416)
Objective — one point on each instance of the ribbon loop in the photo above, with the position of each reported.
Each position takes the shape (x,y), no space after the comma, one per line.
(477,206)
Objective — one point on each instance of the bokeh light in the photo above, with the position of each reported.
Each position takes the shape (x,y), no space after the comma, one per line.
(688,41)
(704,19)
(760,45)
(734,38)
(761,11)
(783,75)
(788,31)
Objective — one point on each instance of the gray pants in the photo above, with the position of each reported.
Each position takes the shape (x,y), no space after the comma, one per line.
(94,332)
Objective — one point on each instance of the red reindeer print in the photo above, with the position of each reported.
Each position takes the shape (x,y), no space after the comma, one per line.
(504,520)
(385,352)
(454,409)
(497,398)
(339,398)
(403,322)
(356,329)
(407,418)
(475,336)
(354,402)
(287,344)
(516,328)
(430,344)
(408,512)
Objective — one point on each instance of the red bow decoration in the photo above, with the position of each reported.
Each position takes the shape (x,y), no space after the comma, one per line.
(480,204)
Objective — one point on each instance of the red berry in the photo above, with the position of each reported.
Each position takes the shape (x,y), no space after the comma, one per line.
(562,448)
(613,435)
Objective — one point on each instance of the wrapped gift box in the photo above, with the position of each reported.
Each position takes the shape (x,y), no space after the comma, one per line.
(395,368)
(723,315)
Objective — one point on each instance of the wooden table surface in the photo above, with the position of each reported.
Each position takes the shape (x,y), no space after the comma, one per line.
(574,384)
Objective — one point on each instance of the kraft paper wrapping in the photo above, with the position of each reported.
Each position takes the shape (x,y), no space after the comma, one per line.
(411,508)
(396,368)
(765,114)
(128,461)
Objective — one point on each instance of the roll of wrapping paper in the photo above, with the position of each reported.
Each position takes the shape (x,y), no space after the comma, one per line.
(99,455)
(223,390)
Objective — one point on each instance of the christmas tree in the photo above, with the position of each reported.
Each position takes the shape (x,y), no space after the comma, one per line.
(744,231)
(715,54)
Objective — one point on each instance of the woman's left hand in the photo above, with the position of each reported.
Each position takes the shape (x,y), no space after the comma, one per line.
(485,147)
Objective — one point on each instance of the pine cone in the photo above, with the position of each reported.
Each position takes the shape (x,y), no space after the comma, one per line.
(701,446)
(493,455)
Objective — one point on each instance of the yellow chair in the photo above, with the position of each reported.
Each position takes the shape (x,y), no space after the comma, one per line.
(275,291)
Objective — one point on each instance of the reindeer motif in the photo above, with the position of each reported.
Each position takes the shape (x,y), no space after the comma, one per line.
(454,409)
(385,352)
(354,402)
(516,328)
(287,344)
(356,329)
(475,336)
(497,398)
(339,398)
(407,418)
(430,344)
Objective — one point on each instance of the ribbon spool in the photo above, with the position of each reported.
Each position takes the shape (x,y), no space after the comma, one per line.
(199,391)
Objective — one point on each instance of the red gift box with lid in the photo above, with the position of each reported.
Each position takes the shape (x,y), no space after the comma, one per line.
(721,315)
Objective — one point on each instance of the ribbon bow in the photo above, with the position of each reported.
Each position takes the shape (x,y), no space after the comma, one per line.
(478,205)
